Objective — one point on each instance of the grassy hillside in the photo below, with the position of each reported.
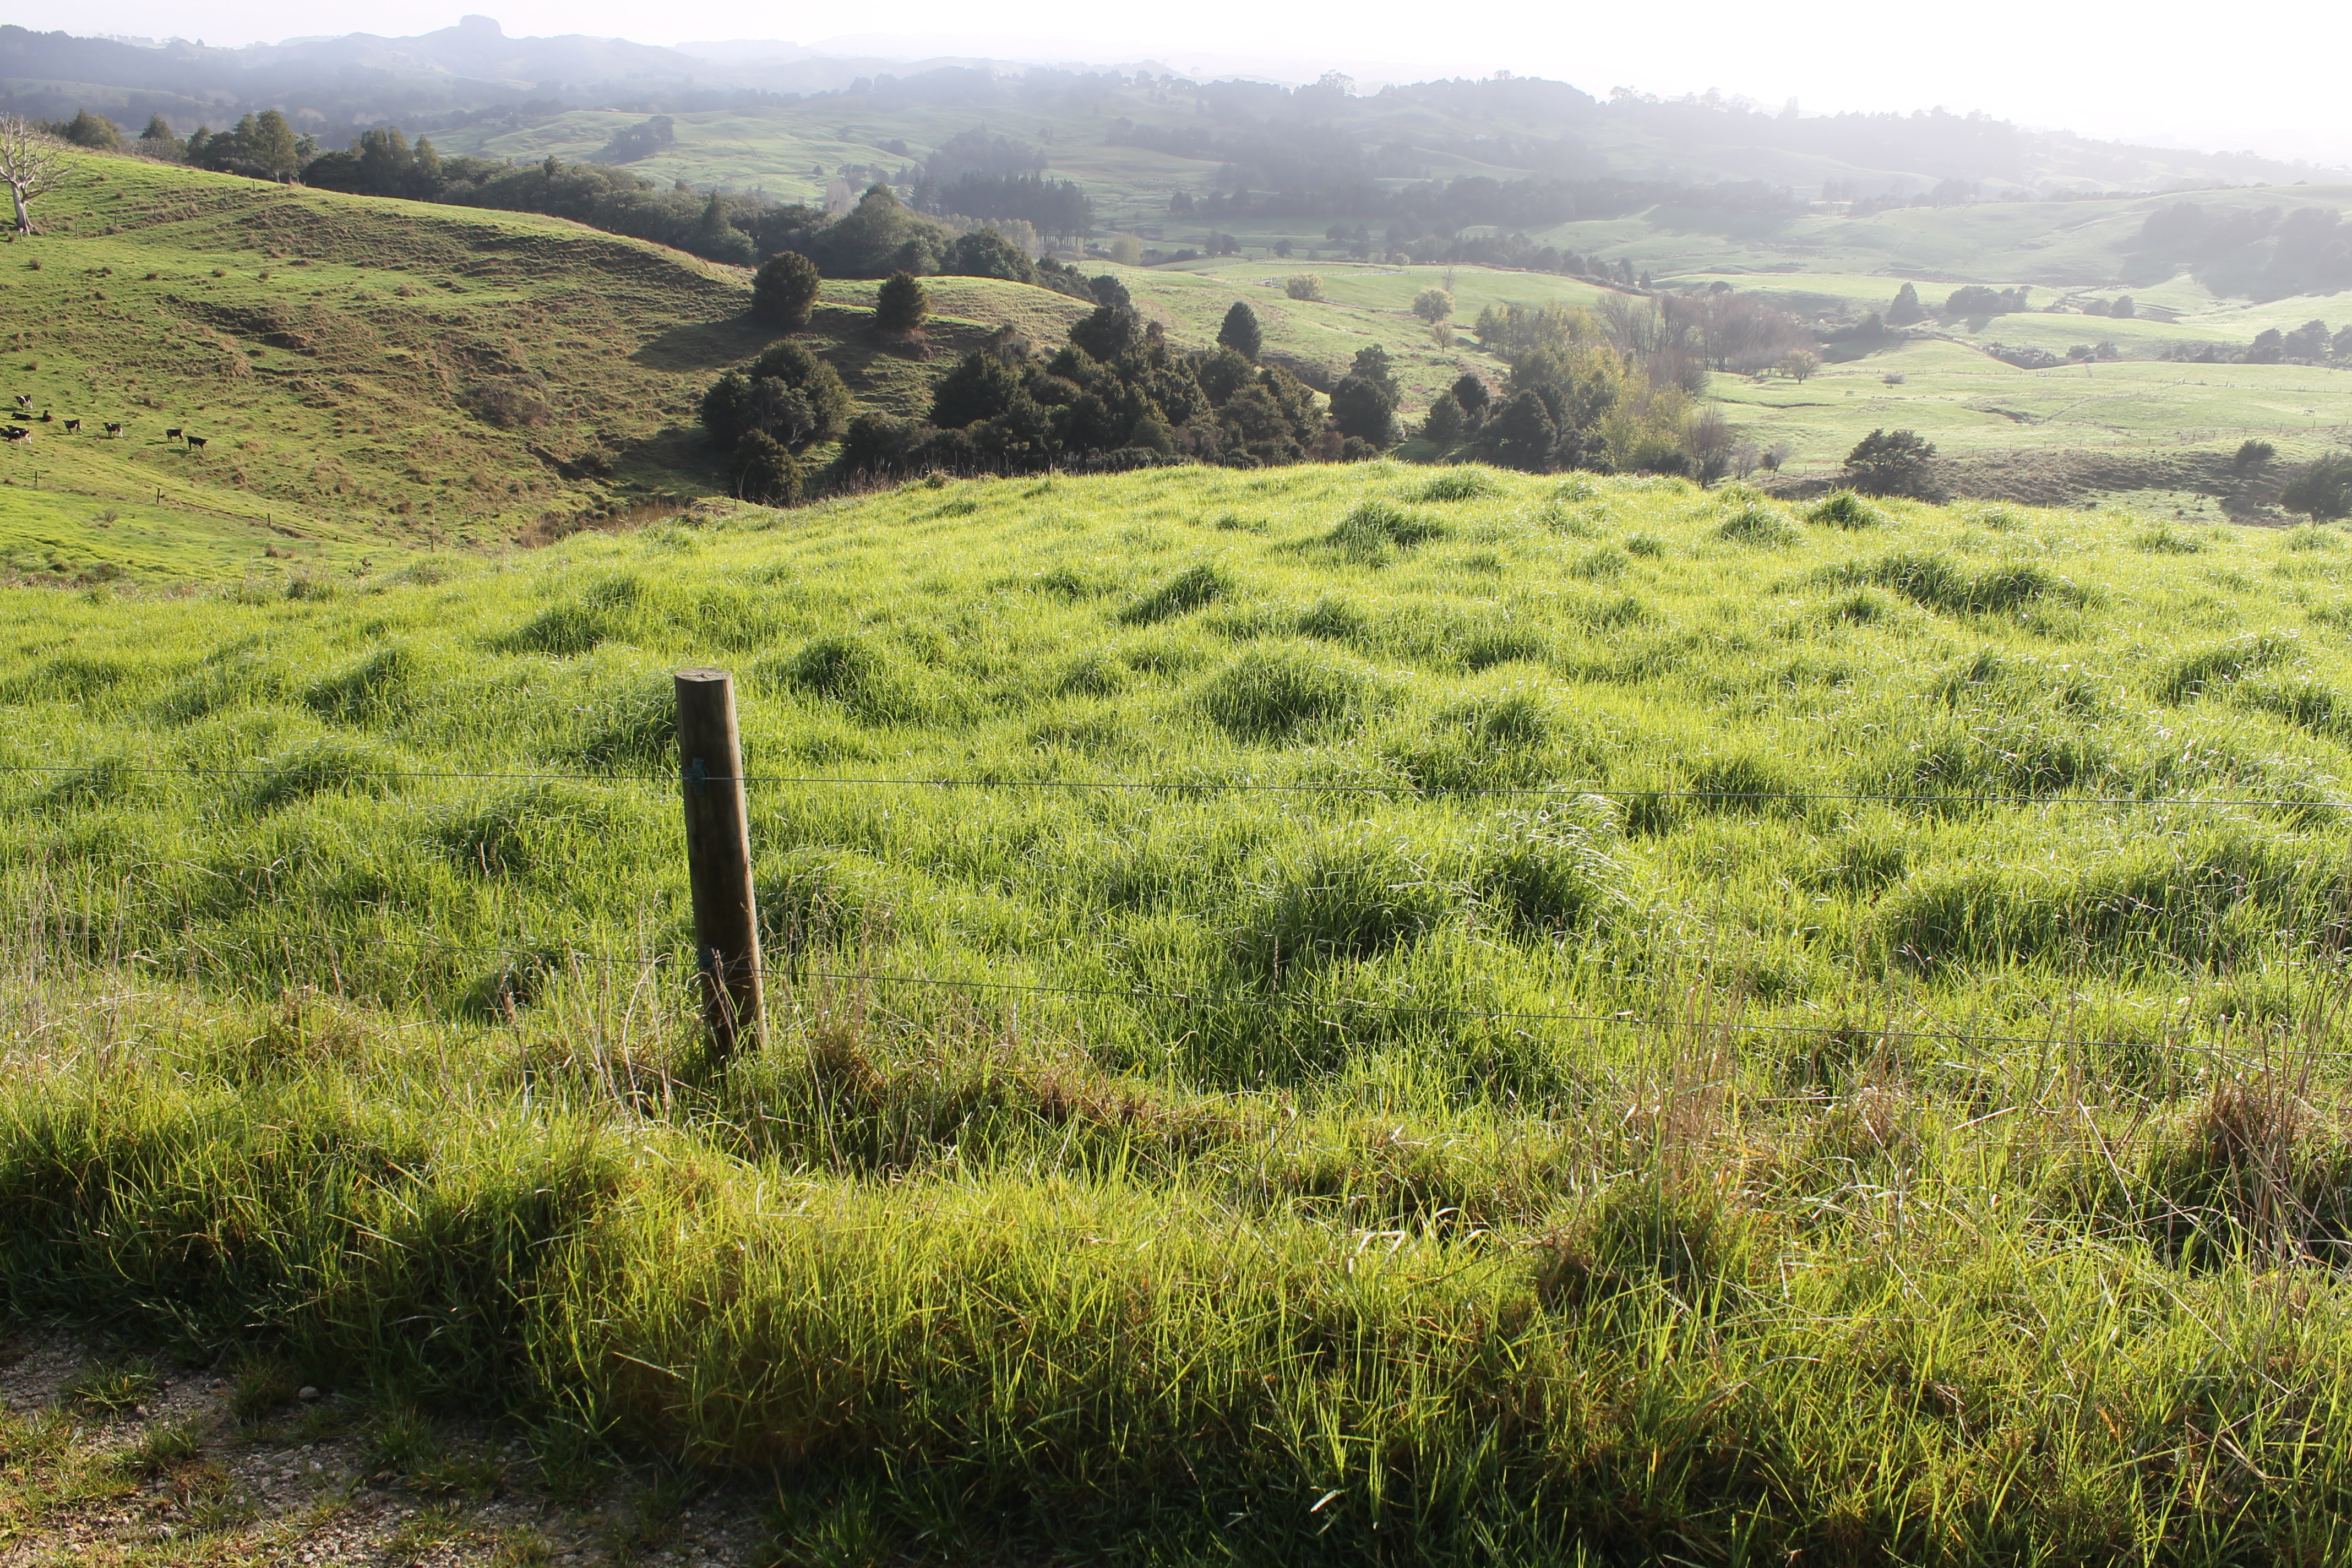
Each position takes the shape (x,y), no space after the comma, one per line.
(1445,1016)
(373,377)
(368,375)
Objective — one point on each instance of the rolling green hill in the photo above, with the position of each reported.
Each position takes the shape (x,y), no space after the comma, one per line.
(1321,1014)
(371,377)
(367,376)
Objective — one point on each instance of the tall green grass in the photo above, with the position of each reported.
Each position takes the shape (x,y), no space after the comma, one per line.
(1821,1039)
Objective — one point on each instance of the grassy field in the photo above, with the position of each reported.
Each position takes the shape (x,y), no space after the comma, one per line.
(1428,1016)
(2139,404)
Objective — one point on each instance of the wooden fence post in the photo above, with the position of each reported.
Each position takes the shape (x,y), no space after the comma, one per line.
(719,860)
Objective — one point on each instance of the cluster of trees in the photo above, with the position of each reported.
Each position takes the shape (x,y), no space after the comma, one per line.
(2310,343)
(261,146)
(1440,209)
(1677,338)
(764,419)
(1893,463)
(1058,207)
(634,144)
(1976,300)
(1116,395)
(882,234)
(1614,393)
(976,176)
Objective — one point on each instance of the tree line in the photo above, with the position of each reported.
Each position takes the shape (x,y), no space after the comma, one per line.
(2310,343)
(2262,253)
(880,236)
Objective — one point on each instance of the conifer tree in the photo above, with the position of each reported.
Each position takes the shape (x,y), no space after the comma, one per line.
(783,292)
(902,303)
(1241,333)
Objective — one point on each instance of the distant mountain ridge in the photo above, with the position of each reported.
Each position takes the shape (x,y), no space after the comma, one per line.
(473,72)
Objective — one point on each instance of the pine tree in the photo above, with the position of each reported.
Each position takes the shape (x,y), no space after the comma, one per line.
(1906,308)
(1445,423)
(783,292)
(901,305)
(1241,333)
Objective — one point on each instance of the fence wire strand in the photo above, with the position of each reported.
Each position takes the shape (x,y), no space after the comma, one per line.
(553,955)
(1229,786)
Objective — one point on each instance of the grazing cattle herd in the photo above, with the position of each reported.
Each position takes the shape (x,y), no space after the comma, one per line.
(25,419)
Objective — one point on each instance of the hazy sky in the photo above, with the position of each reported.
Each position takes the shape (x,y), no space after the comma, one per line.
(2190,76)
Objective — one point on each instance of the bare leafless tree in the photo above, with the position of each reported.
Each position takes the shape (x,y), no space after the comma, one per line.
(28,165)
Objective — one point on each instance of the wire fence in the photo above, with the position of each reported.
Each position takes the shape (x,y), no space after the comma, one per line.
(1226,786)
(559,954)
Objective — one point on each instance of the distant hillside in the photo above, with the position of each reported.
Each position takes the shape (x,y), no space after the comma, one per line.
(369,375)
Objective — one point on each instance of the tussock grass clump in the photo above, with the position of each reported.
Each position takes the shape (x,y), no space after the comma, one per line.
(1507,733)
(1345,896)
(816,899)
(1553,870)
(1646,1237)
(1330,619)
(1760,526)
(319,767)
(2163,539)
(378,689)
(1460,484)
(1939,583)
(1375,528)
(1276,693)
(538,829)
(2196,902)
(1092,674)
(1600,566)
(626,722)
(111,1387)
(2197,674)
(1189,590)
(1844,509)
(118,779)
(870,680)
(2301,701)
(612,610)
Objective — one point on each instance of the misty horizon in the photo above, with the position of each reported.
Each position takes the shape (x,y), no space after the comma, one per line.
(2213,106)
